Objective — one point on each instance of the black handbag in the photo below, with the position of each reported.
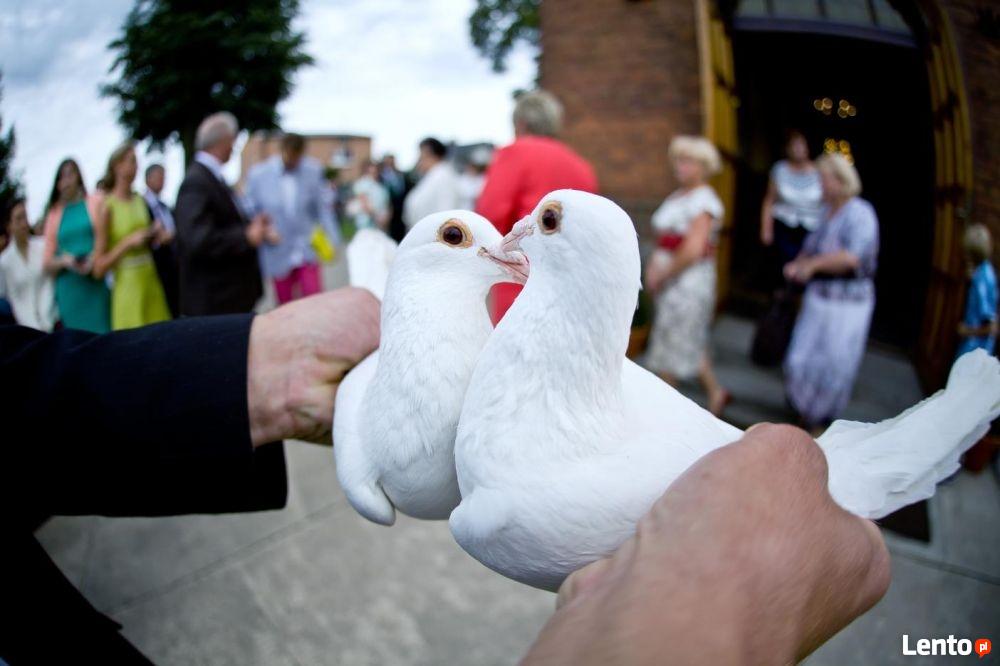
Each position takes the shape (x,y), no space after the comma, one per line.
(774,329)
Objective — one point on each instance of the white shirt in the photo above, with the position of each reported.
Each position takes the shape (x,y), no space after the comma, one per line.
(438,190)
(799,196)
(210,162)
(289,192)
(161,211)
(28,288)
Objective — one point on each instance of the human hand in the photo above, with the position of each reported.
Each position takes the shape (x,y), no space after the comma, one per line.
(800,270)
(161,235)
(271,235)
(745,559)
(66,261)
(83,266)
(297,356)
(137,238)
(256,231)
(657,273)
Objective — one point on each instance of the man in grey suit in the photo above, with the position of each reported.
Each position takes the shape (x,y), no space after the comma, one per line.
(291,191)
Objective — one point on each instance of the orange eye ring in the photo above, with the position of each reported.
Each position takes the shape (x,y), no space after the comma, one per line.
(550,217)
(455,233)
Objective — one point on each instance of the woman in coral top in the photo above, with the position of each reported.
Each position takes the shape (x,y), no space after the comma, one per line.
(525,171)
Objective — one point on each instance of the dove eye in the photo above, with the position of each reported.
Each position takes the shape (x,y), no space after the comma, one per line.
(455,234)
(550,218)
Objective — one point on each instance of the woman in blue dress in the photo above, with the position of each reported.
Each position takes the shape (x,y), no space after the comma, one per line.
(837,263)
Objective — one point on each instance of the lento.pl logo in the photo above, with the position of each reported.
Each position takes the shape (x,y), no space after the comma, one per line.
(946,646)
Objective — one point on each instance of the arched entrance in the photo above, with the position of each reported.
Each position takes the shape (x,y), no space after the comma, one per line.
(874,78)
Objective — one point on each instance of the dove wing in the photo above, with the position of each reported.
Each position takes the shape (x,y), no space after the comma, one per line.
(356,471)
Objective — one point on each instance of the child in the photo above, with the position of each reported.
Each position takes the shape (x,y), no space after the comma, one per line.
(979,328)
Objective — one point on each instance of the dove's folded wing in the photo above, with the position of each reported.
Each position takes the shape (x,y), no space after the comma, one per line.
(658,415)
(356,471)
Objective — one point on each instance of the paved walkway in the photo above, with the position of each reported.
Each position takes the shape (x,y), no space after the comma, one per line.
(316,584)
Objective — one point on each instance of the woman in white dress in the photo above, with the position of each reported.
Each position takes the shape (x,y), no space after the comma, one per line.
(681,273)
(23,280)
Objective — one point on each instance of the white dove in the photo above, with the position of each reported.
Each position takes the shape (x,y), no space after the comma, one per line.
(396,413)
(563,443)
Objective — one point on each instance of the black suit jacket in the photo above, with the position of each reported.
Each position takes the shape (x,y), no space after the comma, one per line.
(146,422)
(219,273)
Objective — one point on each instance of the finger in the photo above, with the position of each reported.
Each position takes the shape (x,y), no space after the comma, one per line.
(581,581)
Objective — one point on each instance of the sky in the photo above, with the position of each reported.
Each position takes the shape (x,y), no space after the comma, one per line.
(394,69)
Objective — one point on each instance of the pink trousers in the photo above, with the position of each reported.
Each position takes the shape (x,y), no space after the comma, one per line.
(304,279)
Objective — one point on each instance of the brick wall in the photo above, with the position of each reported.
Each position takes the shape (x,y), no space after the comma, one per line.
(980,58)
(627,74)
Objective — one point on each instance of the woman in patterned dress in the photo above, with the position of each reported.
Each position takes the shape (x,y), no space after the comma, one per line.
(681,273)
(837,263)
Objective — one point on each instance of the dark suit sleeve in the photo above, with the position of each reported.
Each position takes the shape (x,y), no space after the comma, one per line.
(151,421)
(200,232)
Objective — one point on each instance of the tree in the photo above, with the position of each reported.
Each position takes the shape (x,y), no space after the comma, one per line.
(10,185)
(497,25)
(179,60)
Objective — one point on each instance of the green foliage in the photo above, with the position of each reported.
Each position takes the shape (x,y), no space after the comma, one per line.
(496,26)
(10,185)
(179,60)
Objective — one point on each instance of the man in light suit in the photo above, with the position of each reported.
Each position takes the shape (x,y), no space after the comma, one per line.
(217,246)
(291,191)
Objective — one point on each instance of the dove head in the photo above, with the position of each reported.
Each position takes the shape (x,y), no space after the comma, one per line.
(580,241)
(450,248)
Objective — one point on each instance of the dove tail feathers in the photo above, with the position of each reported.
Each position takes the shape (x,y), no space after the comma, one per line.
(370,501)
(877,468)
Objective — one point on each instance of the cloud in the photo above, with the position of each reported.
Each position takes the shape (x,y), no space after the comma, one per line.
(35,37)
(396,70)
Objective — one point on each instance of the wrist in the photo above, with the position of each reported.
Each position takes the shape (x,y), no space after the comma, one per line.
(270,420)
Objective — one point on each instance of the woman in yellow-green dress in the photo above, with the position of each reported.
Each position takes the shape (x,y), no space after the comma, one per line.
(121,245)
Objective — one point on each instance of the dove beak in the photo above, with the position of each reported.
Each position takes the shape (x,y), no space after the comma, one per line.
(521,229)
(513,263)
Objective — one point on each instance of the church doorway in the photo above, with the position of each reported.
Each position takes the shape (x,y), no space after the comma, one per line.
(854,83)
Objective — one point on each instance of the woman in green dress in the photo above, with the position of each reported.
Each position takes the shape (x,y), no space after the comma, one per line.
(121,245)
(83,301)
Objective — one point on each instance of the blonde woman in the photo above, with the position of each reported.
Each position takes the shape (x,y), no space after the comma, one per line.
(681,273)
(837,263)
(121,244)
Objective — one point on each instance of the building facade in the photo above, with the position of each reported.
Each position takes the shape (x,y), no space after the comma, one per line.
(921,78)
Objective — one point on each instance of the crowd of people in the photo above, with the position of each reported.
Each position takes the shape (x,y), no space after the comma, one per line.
(114,258)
